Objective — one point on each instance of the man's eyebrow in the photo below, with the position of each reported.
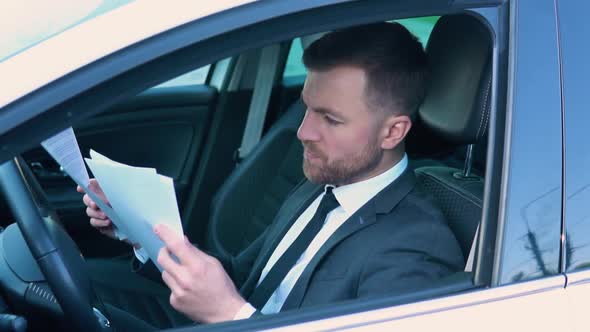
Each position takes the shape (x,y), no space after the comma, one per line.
(322,110)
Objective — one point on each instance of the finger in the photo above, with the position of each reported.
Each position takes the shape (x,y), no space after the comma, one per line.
(168,263)
(175,290)
(95,187)
(95,213)
(174,243)
(181,275)
(93,184)
(89,202)
(80,189)
(170,281)
(100,223)
(180,279)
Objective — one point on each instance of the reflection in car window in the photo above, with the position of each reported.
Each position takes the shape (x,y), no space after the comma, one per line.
(577,153)
(29,22)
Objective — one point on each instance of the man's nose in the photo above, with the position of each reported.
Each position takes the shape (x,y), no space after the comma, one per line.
(307,129)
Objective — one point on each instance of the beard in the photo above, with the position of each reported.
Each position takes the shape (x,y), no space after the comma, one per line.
(341,171)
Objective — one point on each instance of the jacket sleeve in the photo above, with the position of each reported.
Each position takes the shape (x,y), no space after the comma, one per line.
(432,254)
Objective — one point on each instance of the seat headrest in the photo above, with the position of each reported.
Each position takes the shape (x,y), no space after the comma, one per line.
(457,104)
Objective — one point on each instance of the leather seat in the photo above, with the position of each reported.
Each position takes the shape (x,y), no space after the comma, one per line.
(457,110)
(250,198)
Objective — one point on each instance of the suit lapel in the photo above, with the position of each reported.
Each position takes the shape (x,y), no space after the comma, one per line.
(284,219)
(383,202)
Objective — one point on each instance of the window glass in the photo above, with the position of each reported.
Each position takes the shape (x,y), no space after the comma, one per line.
(573,29)
(294,66)
(198,76)
(421,27)
(529,240)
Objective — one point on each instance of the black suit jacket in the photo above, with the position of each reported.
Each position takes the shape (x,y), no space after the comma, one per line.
(397,242)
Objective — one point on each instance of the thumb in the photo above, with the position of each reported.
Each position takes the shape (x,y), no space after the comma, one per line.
(95,187)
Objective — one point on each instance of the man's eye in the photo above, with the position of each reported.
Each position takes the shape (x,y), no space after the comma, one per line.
(331,121)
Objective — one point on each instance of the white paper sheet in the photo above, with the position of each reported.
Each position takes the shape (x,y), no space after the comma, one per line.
(63,147)
(140,198)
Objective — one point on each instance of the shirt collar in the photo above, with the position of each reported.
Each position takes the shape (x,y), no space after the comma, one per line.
(352,196)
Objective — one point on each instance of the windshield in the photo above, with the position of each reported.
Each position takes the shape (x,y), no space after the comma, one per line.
(28,22)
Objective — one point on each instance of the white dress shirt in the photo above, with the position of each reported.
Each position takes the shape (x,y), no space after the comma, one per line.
(351,197)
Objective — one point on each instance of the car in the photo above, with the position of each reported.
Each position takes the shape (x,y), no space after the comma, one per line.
(175,85)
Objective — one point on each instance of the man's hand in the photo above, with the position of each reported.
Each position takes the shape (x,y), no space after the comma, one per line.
(98,219)
(200,287)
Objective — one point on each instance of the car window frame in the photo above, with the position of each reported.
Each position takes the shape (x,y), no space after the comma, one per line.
(92,100)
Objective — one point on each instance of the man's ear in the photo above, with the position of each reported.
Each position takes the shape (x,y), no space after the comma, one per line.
(395,128)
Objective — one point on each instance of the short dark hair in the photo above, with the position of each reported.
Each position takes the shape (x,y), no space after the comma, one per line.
(393,60)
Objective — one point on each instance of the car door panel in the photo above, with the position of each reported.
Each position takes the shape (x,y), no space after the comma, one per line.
(538,305)
(161,128)
(578,293)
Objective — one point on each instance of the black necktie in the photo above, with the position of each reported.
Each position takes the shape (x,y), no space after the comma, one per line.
(286,262)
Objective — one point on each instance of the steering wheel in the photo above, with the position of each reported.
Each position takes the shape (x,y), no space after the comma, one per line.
(54,251)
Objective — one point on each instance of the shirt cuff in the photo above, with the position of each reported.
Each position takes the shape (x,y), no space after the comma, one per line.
(245,312)
(141,255)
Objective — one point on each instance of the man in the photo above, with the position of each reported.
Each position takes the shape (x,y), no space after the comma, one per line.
(358,228)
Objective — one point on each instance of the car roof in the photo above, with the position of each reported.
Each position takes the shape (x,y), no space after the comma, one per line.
(95,38)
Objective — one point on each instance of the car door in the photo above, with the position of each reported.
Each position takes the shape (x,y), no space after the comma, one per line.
(573,29)
(163,127)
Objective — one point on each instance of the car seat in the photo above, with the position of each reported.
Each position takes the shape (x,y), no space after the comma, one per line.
(457,109)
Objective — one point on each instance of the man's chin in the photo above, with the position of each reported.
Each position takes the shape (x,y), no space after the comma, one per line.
(313,174)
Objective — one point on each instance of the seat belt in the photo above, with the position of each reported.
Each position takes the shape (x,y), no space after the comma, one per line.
(265,78)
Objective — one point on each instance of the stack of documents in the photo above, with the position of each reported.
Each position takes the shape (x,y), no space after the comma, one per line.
(139,197)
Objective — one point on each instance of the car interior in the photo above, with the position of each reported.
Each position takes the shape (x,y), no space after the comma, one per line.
(193,133)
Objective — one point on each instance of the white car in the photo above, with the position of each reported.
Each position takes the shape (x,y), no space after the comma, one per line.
(173,85)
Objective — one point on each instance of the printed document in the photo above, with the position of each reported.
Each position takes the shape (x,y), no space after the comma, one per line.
(63,147)
(138,197)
